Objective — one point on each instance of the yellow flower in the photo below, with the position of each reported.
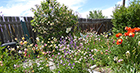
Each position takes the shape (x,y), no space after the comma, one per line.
(54,45)
(43,53)
(21,42)
(32,70)
(23,38)
(53,50)
(47,65)
(16,39)
(0,62)
(25,42)
(31,45)
(101,52)
(46,58)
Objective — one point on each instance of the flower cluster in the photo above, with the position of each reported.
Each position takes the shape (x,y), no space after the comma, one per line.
(130,32)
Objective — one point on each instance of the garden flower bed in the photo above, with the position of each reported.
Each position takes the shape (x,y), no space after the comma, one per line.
(118,53)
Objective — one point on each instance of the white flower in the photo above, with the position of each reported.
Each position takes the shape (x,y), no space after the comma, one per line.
(68,29)
(139,43)
(37,39)
(127,53)
(115,58)
(19,51)
(17,47)
(12,49)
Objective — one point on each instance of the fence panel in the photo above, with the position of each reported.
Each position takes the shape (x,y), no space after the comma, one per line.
(11,28)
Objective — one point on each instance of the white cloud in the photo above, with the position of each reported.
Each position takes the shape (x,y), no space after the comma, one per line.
(107,12)
(73,4)
(22,8)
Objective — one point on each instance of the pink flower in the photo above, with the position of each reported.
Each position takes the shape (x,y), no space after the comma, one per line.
(36,45)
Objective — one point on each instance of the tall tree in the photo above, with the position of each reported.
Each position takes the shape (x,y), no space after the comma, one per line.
(96,14)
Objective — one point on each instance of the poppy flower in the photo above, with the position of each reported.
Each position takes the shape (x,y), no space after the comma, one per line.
(131,34)
(128,28)
(119,41)
(118,35)
(136,29)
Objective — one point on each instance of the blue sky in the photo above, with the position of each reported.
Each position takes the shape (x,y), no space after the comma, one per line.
(22,7)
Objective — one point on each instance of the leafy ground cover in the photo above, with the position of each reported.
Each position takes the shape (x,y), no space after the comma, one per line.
(76,54)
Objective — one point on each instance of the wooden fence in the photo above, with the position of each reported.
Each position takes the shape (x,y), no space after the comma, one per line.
(11,28)
(98,25)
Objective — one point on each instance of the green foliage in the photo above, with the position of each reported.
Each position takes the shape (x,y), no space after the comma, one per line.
(96,14)
(126,16)
(52,19)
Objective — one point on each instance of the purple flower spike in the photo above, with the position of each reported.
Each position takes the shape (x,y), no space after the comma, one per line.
(75,45)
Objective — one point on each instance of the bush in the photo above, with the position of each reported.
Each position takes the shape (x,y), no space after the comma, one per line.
(53,20)
(126,16)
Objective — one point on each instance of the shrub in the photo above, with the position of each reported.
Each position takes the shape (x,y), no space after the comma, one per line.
(126,16)
(52,19)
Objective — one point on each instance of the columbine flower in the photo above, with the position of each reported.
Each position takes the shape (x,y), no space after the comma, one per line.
(139,43)
(119,41)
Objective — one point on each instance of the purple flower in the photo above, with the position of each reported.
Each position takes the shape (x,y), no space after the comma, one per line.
(58,53)
(63,64)
(89,54)
(75,45)
(113,41)
(69,64)
(64,51)
(92,58)
(73,63)
(58,71)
